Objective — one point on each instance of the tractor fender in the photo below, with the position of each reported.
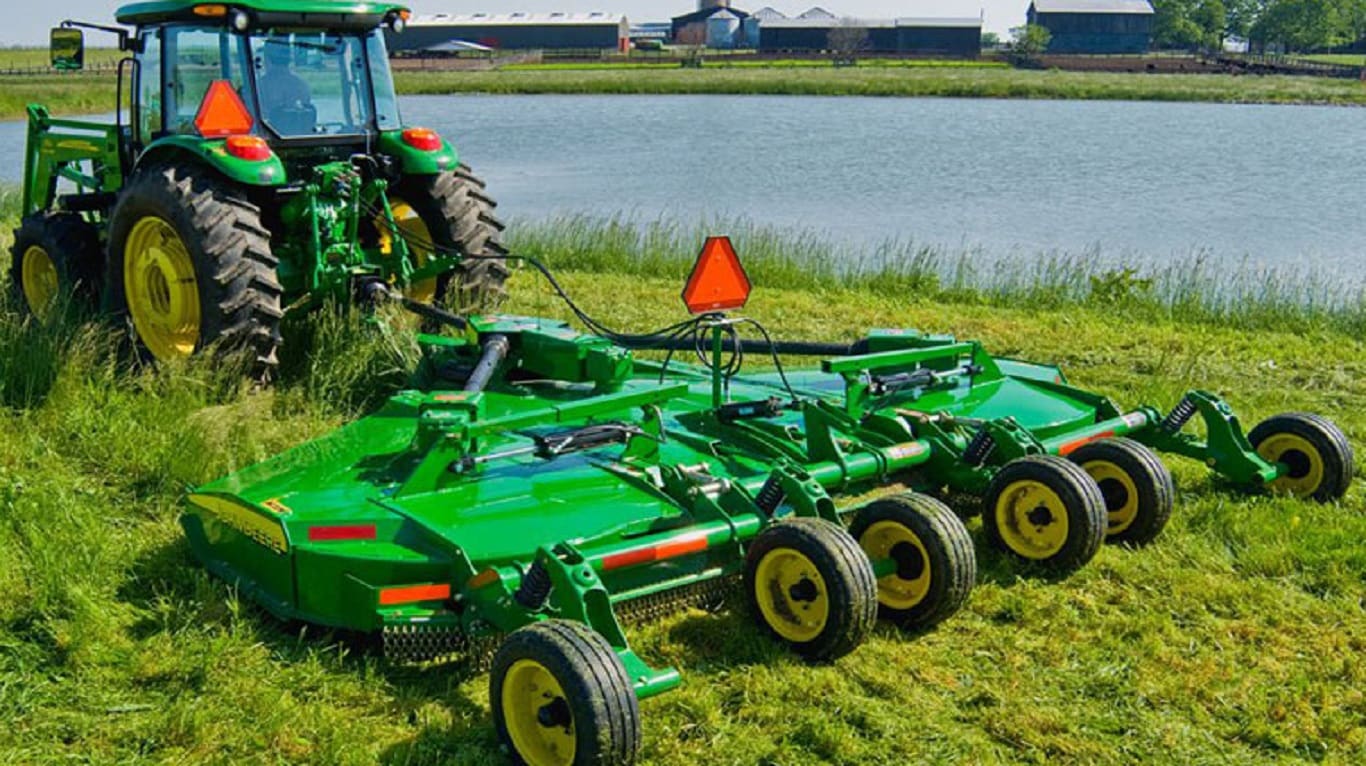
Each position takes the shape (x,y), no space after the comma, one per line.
(418,162)
(176,149)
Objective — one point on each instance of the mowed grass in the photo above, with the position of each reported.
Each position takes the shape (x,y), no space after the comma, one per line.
(956,82)
(1239,636)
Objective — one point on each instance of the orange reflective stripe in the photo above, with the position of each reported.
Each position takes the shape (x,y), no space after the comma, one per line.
(413,593)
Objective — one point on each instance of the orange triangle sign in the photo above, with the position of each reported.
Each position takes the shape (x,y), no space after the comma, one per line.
(222,112)
(718,281)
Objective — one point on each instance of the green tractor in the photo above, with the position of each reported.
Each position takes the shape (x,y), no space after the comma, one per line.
(263,168)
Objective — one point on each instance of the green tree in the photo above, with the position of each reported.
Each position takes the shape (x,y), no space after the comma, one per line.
(1306,25)
(1189,23)
(1030,40)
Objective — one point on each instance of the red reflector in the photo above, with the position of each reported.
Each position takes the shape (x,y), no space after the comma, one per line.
(351,532)
(422,139)
(681,546)
(718,281)
(222,112)
(414,593)
(1071,447)
(251,148)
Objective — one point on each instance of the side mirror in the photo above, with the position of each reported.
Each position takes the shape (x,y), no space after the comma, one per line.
(68,49)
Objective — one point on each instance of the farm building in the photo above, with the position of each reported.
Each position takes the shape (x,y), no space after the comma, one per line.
(714,24)
(1095,26)
(515,31)
(931,37)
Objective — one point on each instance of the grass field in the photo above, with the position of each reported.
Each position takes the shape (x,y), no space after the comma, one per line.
(1346,59)
(94,93)
(961,82)
(1240,636)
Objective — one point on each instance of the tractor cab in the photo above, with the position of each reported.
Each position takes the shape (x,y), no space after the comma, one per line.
(302,75)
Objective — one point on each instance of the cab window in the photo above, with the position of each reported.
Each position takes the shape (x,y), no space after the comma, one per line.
(196,57)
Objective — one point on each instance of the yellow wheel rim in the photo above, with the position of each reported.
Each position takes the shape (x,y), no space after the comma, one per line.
(1032,519)
(1120,493)
(40,281)
(163,294)
(418,237)
(1301,457)
(536,713)
(792,595)
(909,585)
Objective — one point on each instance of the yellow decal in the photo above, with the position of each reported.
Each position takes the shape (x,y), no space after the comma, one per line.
(244,519)
(277,507)
(80,146)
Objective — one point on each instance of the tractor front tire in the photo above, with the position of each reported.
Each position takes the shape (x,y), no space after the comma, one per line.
(560,695)
(55,254)
(455,213)
(1316,452)
(191,267)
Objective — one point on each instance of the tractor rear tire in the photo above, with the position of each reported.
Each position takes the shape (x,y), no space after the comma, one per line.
(560,694)
(1136,485)
(458,215)
(1316,451)
(55,254)
(1047,510)
(191,267)
(936,563)
(810,584)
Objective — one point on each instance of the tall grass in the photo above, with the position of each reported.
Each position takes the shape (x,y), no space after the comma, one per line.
(1195,289)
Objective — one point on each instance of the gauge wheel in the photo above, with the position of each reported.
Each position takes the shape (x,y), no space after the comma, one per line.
(811,586)
(561,697)
(1316,454)
(1135,484)
(935,565)
(1046,510)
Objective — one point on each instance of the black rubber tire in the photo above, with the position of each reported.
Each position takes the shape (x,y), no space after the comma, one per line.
(235,269)
(1153,488)
(841,563)
(600,699)
(459,214)
(1081,501)
(948,551)
(1339,461)
(74,248)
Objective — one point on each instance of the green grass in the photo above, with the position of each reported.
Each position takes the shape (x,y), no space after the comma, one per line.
(41,58)
(1238,637)
(94,93)
(64,95)
(963,82)
(1345,59)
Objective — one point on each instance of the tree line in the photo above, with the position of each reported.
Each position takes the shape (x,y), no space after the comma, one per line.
(1292,25)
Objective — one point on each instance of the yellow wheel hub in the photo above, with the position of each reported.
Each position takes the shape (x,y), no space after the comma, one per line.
(1119,491)
(1032,519)
(909,585)
(419,240)
(792,595)
(40,281)
(537,715)
(1302,459)
(162,292)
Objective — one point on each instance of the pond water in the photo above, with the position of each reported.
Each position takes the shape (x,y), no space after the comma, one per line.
(1260,185)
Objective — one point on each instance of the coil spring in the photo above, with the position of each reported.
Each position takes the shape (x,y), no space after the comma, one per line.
(535,588)
(1179,416)
(979,448)
(770,495)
